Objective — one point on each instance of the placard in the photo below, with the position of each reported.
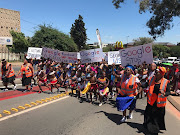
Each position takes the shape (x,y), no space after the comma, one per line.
(59,56)
(93,55)
(114,57)
(137,55)
(34,52)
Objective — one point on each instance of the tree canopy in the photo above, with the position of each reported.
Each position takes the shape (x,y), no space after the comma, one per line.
(161,51)
(142,41)
(175,51)
(20,42)
(47,36)
(162,11)
(78,33)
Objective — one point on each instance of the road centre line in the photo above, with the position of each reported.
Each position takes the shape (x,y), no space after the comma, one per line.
(30,109)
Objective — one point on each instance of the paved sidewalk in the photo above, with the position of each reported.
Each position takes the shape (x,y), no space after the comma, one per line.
(175,101)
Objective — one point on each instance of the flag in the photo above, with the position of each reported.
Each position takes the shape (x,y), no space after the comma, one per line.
(123,102)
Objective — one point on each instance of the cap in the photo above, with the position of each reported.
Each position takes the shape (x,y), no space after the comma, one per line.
(131,67)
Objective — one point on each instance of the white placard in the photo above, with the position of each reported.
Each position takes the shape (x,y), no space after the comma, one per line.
(93,55)
(59,56)
(69,57)
(6,40)
(34,52)
(136,55)
(114,57)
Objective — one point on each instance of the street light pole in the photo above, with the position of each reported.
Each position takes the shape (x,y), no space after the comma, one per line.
(127,39)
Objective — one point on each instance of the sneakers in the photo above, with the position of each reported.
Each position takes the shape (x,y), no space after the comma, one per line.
(5,90)
(130,115)
(31,86)
(123,119)
(100,104)
(14,88)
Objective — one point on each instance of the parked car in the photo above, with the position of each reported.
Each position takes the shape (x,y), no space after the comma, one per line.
(177,61)
(171,59)
(157,61)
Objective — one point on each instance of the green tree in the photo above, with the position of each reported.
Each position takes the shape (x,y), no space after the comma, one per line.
(175,51)
(20,42)
(142,41)
(47,36)
(161,51)
(78,33)
(162,11)
(108,48)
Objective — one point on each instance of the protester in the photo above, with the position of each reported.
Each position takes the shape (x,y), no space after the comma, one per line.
(159,89)
(129,85)
(41,78)
(27,73)
(8,75)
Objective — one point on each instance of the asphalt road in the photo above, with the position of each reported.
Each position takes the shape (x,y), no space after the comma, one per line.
(69,117)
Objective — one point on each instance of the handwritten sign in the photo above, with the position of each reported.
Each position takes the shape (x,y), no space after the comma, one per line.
(93,55)
(34,52)
(114,57)
(59,56)
(137,55)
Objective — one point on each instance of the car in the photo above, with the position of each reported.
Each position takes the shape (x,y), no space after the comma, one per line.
(177,61)
(171,59)
(157,61)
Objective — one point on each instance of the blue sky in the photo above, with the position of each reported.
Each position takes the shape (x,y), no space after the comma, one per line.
(113,24)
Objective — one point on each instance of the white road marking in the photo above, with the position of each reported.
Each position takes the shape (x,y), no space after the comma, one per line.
(30,109)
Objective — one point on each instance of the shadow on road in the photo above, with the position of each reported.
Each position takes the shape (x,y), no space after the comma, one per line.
(112,102)
(116,119)
(139,127)
(140,111)
(113,117)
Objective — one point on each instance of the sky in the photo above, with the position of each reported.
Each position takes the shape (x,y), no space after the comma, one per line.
(124,24)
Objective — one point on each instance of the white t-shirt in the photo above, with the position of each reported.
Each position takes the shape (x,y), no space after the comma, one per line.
(127,79)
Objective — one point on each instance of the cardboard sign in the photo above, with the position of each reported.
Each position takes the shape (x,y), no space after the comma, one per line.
(114,57)
(34,52)
(136,55)
(93,55)
(59,56)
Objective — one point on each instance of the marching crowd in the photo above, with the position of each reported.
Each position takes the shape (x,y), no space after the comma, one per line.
(100,81)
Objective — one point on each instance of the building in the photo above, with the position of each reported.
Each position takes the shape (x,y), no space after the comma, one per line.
(9,20)
(168,44)
(96,44)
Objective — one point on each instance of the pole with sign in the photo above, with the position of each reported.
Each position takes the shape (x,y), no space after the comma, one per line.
(8,41)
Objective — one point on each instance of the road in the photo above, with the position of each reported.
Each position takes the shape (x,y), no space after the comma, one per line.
(66,116)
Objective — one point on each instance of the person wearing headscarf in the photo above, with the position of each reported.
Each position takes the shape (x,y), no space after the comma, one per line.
(159,89)
(127,92)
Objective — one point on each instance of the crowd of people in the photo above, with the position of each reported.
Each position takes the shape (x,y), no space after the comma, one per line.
(100,81)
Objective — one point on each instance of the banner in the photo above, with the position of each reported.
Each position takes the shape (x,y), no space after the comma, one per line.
(69,57)
(34,52)
(93,55)
(136,55)
(59,56)
(114,57)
